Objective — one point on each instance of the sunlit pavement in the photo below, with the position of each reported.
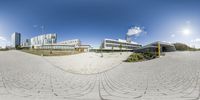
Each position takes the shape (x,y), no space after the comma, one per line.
(28,77)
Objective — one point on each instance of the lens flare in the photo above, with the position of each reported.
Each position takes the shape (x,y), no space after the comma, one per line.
(186,32)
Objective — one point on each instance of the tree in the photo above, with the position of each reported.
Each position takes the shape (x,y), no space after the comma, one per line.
(101,47)
(120,47)
(18,47)
(112,48)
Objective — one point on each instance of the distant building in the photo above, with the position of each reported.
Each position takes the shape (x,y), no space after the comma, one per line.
(83,48)
(55,47)
(59,46)
(44,39)
(119,44)
(26,43)
(75,42)
(49,41)
(16,39)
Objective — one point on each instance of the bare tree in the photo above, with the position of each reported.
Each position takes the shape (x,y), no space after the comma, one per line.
(112,48)
(120,47)
(101,47)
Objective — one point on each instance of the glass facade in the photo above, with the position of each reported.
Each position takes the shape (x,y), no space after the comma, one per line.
(16,39)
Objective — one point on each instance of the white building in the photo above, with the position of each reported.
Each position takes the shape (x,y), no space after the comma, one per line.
(75,42)
(26,43)
(44,39)
(16,39)
(49,41)
(55,47)
(116,44)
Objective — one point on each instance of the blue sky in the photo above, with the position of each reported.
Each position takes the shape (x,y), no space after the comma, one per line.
(93,20)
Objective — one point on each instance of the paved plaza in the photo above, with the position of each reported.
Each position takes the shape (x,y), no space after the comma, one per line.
(88,76)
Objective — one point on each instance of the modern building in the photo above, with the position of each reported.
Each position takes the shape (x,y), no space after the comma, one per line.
(153,47)
(16,39)
(111,44)
(80,48)
(75,42)
(44,39)
(49,41)
(83,48)
(55,47)
(26,43)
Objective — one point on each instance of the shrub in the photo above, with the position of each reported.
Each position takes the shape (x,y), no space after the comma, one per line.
(149,55)
(135,57)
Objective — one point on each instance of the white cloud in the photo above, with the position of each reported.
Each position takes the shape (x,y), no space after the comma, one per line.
(135,31)
(2,39)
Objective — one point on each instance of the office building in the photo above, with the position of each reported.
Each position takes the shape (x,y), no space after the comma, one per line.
(119,44)
(49,41)
(75,42)
(26,43)
(55,47)
(44,39)
(16,39)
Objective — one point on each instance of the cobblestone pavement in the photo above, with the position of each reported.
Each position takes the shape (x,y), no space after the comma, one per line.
(28,77)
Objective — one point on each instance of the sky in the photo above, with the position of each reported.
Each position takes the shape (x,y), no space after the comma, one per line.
(91,21)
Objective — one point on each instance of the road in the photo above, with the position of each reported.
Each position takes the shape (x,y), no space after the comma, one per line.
(174,76)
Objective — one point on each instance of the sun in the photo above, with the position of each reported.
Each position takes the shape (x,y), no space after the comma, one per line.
(186,32)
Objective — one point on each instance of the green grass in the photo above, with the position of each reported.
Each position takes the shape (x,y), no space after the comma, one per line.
(3,49)
(49,53)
